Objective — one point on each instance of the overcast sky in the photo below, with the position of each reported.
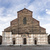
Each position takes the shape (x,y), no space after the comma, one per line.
(40,8)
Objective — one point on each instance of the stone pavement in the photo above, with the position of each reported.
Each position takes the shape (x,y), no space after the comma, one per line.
(25,48)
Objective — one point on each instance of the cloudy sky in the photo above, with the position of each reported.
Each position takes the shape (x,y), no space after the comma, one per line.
(40,8)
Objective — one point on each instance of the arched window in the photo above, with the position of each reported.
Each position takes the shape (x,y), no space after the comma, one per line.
(24,20)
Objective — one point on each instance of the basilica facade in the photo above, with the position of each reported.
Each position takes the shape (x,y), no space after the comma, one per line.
(24,30)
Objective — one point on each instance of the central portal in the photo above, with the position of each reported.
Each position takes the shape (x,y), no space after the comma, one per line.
(24,41)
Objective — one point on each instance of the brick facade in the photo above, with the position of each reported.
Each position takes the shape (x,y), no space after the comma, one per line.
(32,25)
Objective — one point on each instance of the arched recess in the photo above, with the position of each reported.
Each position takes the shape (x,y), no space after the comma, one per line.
(24,40)
(35,41)
(13,41)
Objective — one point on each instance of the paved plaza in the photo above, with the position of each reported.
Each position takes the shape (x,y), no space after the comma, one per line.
(25,48)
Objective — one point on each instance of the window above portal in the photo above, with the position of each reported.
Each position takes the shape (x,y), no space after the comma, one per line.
(24,20)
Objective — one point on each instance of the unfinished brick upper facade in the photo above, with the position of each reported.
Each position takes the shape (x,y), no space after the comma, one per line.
(32,25)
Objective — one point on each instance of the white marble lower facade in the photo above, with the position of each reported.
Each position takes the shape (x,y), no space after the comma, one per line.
(18,39)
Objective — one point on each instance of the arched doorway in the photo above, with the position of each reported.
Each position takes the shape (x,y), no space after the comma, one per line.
(24,40)
(13,41)
(35,41)
(0,43)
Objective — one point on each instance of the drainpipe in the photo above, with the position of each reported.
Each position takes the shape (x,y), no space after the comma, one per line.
(18,28)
